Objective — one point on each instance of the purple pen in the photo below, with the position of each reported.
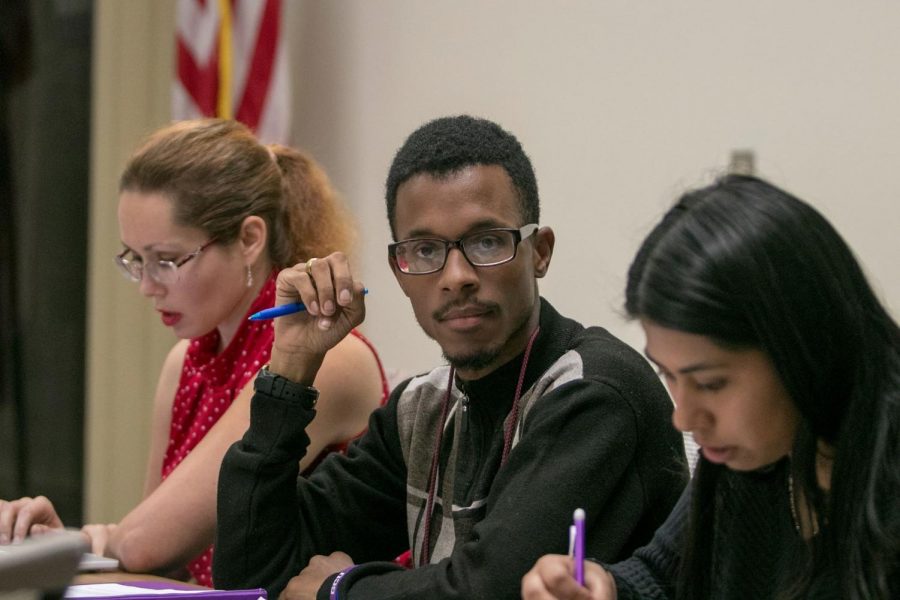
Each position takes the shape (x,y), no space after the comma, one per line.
(578,518)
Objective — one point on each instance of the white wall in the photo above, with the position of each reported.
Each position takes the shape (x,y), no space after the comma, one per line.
(621,105)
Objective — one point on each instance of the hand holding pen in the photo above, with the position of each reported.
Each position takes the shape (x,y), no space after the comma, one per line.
(283,310)
(334,304)
(569,577)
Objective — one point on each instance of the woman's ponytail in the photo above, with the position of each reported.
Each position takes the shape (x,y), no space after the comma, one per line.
(315,222)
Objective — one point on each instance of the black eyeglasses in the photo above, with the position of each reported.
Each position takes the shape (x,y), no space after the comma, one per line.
(161,271)
(486,248)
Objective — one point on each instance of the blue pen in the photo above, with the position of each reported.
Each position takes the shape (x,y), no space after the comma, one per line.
(284,309)
(578,517)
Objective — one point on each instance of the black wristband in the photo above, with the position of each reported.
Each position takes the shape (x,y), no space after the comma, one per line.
(281,388)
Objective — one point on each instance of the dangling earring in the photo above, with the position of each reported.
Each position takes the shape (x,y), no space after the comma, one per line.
(249,277)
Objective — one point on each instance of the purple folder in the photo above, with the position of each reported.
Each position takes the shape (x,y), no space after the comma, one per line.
(179,590)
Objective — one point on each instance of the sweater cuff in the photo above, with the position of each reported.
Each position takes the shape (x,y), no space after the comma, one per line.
(278,421)
(337,586)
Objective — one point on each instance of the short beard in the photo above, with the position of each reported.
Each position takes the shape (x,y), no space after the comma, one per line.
(473,362)
(486,357)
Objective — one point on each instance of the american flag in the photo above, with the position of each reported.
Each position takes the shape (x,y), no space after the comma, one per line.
(232,63)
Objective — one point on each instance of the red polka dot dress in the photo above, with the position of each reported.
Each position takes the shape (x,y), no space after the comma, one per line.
(209,384)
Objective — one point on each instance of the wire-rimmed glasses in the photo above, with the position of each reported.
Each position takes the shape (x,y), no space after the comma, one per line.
(161,271)
(486,248)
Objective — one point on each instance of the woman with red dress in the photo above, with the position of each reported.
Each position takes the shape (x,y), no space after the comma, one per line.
(208,216)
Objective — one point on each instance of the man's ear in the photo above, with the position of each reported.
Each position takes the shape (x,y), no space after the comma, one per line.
(401,280)
(544,240)
(253,238)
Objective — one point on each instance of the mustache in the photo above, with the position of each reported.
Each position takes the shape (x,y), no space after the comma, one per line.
(441,313)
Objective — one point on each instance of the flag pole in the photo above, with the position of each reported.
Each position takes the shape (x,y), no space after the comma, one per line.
(224,106)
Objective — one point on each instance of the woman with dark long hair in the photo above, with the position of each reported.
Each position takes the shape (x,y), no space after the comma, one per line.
(786,368)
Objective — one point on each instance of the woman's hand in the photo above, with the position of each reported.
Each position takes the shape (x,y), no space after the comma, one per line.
(25,516)
(99,536)
(552,578)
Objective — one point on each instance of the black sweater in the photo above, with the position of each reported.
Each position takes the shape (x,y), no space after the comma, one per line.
(593,432)
(753,538)
(754,548)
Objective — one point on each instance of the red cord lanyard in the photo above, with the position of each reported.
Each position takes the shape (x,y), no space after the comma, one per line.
(511,422)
